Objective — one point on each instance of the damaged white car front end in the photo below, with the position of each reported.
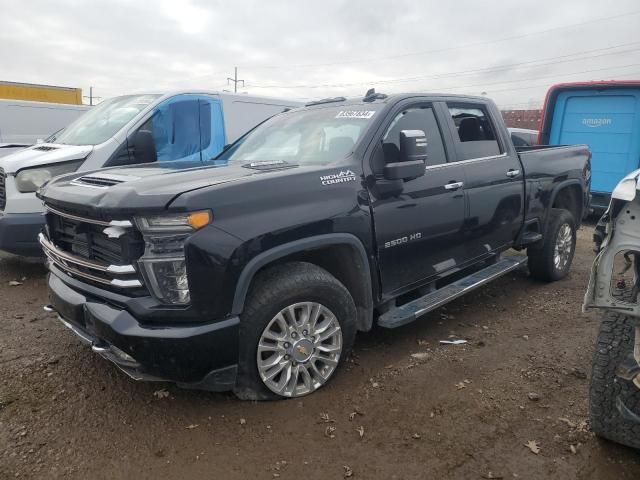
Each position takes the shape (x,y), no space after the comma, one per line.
(615,276)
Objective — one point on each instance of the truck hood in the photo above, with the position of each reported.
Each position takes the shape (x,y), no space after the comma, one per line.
(132,189)
(43,154)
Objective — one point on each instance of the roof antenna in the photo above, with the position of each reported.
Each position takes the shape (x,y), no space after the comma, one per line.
(371,95)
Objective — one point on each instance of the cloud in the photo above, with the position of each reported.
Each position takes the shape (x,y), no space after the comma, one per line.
(302,49)
(190,19)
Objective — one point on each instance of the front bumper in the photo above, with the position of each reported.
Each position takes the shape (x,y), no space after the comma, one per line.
(19,233)
(202,356)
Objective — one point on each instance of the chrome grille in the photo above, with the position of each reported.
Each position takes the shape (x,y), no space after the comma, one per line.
(81,248)
(3,189)
(87,241)
(93,271)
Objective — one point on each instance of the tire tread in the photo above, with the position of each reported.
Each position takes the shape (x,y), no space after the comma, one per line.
(614,343)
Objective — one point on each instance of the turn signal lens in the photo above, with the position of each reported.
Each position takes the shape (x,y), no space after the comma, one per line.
(197,220)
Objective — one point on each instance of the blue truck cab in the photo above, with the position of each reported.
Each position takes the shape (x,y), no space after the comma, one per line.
(604,115)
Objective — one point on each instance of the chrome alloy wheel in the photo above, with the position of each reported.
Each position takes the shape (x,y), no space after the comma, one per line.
(299,349)
(563,247)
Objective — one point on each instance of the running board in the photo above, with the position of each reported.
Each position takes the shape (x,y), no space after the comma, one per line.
(409,312)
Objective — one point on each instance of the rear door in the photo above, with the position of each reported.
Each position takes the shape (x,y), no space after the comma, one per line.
(606,120)
(418,231)
(494,186)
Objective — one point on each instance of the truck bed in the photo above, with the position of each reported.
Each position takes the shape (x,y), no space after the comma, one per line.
(546,167)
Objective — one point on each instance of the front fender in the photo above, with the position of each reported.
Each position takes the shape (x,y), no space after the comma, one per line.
(222,266)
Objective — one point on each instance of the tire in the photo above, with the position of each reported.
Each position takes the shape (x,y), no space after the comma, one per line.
(542,256)
(615,342)
(293,290)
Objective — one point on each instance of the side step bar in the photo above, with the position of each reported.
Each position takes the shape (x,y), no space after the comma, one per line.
(409,312)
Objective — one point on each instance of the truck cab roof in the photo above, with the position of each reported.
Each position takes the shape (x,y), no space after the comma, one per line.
(379,98)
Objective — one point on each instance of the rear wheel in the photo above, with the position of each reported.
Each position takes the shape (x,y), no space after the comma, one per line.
(297,328)
(550,259)
(614,401)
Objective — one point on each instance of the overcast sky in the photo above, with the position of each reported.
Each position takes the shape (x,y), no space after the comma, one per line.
(510,51)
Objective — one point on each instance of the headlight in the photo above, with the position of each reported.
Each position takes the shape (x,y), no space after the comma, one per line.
(181,222)
(163,262)
(167,278)
(31,179)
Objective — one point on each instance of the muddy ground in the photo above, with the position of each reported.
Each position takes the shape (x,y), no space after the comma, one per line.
(455,412)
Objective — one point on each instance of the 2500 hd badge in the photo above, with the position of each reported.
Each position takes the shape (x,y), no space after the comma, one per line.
(400,241)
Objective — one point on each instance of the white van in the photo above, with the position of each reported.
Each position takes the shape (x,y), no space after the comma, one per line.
(183,126)
(23,123)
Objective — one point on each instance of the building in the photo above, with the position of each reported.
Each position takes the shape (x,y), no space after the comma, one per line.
(522,118)
(40,93)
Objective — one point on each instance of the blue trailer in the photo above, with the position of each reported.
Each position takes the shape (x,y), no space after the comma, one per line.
(604,115)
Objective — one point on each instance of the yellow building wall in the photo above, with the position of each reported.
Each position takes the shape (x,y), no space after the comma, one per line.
(40,93)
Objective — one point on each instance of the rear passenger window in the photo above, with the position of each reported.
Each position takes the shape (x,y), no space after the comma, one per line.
(476,133)
(421,118)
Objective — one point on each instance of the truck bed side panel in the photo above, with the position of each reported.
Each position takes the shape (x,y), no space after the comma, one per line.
(549,169)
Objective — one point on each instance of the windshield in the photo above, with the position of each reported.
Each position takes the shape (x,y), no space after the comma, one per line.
(103,121)
(307,137)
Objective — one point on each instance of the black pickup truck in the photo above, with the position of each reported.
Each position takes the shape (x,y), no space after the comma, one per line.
(253,272)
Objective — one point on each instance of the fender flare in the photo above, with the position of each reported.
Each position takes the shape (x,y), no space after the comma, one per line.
(365,312)
(554,194)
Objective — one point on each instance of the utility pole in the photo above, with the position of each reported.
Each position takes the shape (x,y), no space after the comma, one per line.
(91,97)
(235,81)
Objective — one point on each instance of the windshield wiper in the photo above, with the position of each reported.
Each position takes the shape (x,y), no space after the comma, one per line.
(269,164)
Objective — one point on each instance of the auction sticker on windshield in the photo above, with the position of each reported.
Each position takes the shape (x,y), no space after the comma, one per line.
(365,114)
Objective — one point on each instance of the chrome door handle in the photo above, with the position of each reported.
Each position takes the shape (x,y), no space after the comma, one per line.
(513,173)
(454,185)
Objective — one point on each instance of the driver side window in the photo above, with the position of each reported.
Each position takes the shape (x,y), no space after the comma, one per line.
(183,129)
(176,131)
(415,118)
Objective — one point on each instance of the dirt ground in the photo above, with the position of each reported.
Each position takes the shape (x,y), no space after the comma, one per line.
(453,412)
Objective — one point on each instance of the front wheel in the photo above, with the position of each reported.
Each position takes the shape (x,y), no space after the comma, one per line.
(297,329)
(550,260)
(615,402)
